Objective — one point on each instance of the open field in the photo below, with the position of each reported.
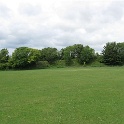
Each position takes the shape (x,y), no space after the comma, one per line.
(62,96)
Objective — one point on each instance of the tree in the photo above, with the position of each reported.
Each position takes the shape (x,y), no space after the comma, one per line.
(72,52)
(24,57)
(87,55)
(4,56)
(33,56)
(99,57)
(112,53)
(121,52)
(78,52)
(4,59)
(49,54)
(67,56)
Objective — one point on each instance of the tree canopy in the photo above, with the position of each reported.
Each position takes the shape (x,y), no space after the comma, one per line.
(25,57)
(49,54)
(113,53)
(4,56)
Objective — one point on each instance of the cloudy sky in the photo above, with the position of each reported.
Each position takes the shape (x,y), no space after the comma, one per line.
(60,23)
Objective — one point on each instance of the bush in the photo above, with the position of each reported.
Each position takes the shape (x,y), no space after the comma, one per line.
(4,66)
(60,63)
(42,64)
(75,62)
(97,64)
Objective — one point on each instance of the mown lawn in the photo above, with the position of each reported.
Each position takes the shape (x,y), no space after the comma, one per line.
(62,96)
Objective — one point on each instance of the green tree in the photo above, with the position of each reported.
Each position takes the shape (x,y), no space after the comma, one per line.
(87,55)
(78,52)
(4,59)
(4,56)
(99,57)
(112,53)
(24,57)
(67,56)
(33,56)
(121,52)
(49,54)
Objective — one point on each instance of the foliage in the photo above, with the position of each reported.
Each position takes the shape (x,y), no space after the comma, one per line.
(72,52)
(4,59)
(121,51)
(80,53)
(97,63)
(77,50)
(24,57)
(99,57)
(87,55)
(4,56)
(5,66)
(60,63)
(113,53)
(77,54)
(67,55)
(49,54)
(42,64)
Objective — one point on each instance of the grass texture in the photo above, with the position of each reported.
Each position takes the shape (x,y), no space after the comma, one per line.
(85,95)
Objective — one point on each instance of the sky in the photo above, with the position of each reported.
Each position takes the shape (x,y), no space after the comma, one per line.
(60,23)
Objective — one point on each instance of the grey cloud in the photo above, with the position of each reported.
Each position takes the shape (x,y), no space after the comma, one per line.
(117,9)
(5,12)
(76,24)
(76,14)
(113,12)
(82,16)
(23,35)
(94,18)
(17,36)
(29,10)
(14,42)
(2,35)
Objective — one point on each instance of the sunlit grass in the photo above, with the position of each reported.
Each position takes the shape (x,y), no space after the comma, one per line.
(62,96)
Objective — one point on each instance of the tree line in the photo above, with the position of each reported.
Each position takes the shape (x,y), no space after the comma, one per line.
(28,58)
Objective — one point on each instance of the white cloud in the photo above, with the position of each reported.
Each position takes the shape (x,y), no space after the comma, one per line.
(4,11)
(29,9)
(60,23)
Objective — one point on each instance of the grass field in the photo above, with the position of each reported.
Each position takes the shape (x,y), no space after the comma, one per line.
(62,96)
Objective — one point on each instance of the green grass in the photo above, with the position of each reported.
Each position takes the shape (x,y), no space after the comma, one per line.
(62,96)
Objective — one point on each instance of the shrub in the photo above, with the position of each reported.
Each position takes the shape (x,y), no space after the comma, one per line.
(97,64)
(60,63)
(42,64)
(4,66)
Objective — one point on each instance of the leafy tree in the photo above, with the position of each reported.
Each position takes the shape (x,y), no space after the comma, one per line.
(121,52)
(61,54)
(87,55)
(49,54)
(78,52)
(99,57)
(4,59)
(24,57)
(67,56)
(112,53)
(33,56)
(4,56)
(20,57)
